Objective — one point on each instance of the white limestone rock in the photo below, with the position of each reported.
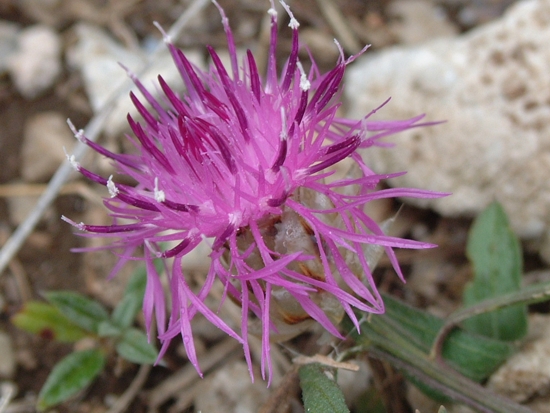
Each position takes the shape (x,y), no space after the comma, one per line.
(492,86)
(229,389)
(36,63)
(98,57)
(526,375)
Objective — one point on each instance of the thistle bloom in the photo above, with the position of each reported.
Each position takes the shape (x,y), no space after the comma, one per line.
(240,162)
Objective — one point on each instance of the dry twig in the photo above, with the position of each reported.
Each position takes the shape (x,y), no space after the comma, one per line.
(341,29)
(280,399)
(131,392)
(185,377)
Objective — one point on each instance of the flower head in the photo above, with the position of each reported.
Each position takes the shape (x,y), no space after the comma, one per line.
(240,161)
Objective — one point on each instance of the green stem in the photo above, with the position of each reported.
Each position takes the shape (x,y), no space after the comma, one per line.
(529,295)
(385,340)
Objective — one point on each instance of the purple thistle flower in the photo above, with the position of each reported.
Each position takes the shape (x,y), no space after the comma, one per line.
(241,161)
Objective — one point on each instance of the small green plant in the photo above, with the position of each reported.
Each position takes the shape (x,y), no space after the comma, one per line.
(320,392)
(495,254)
(69,317)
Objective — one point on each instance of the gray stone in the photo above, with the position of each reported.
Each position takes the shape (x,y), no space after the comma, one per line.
(98,57)
(44,137)
(229,389)
(526,374)
(36,63)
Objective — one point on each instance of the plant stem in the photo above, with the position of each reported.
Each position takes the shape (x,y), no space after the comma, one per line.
(529,295)
(382,338)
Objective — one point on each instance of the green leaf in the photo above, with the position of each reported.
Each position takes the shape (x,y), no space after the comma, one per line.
(319,392)
(69,376)
(81,310)
(125,312)
(472,355)
(134,347)
(495,254)
(47,321)
(108,329)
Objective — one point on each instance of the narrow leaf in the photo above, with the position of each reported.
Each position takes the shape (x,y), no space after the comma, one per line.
(495,254)
(108,329)
(48,322)
(81,310)
(134,347)
(319,392)
(126,310)
(472,355)
(69,376)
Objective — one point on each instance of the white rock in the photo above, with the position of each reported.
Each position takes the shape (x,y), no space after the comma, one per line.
(36,63)
(527,373)
(492,86)
(44,137)
(20,207)
(98,57)
(230,390)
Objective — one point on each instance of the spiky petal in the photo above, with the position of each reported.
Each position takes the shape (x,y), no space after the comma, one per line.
(242,160)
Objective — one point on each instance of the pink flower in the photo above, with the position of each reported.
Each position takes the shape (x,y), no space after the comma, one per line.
(241,161)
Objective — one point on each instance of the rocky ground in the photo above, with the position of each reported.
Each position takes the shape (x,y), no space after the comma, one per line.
(58,60)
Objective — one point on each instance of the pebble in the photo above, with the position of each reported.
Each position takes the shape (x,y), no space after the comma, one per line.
(36,63)
(44,137)
(526,375)
(98,57)
(20,207)
(229,389)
